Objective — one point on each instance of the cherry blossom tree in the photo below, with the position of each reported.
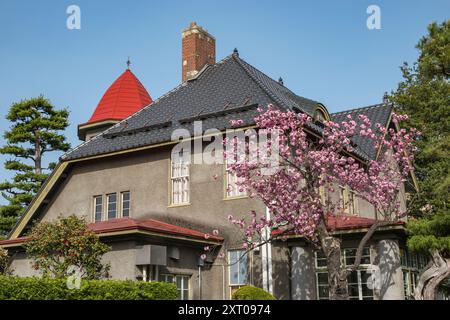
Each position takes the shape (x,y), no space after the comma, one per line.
(312,160)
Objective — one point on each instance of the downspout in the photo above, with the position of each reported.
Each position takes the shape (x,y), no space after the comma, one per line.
(267,259)
(199,282)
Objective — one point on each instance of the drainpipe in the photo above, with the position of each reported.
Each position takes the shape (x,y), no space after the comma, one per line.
(267,258)
(144,273)
(199,282)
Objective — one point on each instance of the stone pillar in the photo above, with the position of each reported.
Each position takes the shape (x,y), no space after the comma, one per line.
(303,277)
(390,286)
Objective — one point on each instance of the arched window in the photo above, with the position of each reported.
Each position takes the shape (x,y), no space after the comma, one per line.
(321,114)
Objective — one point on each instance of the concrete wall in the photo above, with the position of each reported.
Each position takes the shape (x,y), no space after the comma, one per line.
(391,278)
(303,276)
(146,176)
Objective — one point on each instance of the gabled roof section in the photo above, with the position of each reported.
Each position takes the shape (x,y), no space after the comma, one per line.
(124,97)
(230,89)
(378,113)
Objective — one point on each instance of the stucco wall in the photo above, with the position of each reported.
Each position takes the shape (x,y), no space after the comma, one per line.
(146,175)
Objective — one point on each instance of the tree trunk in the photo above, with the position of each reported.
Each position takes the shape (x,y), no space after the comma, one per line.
(437,271)
(37,154)
(337,275)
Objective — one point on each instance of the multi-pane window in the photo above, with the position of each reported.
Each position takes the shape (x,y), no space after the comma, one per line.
(349,200)
(412,265)
(231,183)
(98,208)
(182,283)
(322,286)
(179,182)
(350,255)
(359,283)
(111,205)
(125,198)
(353,202)
(237,267)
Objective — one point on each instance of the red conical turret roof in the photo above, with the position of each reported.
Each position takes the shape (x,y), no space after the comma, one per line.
(123,98)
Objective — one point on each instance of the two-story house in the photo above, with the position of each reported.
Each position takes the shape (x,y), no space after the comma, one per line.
(154,212)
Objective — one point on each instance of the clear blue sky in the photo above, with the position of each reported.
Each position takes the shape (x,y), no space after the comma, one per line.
(322,49)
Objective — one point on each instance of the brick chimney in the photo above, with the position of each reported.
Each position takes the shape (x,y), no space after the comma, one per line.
(198,49)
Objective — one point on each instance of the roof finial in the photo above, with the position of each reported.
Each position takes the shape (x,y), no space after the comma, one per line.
(385,97)
(236,52)
(280,81)
(128,63)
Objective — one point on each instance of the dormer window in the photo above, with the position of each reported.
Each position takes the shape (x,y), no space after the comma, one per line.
(319,116)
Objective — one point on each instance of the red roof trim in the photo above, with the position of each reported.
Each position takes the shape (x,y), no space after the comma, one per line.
(346,222)
(152,225)
(126,224)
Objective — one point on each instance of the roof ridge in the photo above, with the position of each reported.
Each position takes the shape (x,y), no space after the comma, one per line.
(266,90)
(378,105)
(274,96)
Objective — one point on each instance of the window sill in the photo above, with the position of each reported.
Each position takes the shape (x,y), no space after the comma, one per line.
(235,198)
(179,205)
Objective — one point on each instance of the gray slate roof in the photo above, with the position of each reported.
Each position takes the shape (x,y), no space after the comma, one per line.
(230,89)
(378,113)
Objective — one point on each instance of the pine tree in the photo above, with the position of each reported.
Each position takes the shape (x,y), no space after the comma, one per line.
(424,94)
(34,132)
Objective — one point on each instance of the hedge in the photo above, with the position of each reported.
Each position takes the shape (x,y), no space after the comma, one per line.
(252,293)
(15,288)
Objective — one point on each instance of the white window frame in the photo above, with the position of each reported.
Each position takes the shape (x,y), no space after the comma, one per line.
(238,264)
(122,201)
(184,291)
(349,199)
(181,196)
(108,204)
(102,211)
(363,267)
(231,179)
(412,264)
(321,285)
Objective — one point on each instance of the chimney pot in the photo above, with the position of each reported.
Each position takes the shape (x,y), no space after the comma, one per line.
(198,49)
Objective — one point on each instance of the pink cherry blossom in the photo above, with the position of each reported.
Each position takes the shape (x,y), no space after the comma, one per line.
(308,165)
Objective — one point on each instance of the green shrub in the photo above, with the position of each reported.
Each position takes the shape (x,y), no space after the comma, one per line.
(252,293)
(15,288)
(57,245)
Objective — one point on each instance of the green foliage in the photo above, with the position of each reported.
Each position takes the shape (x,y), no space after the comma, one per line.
(55,246)
(424,94)
(15,288)
(431,233)
(252,293)
(34,132)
